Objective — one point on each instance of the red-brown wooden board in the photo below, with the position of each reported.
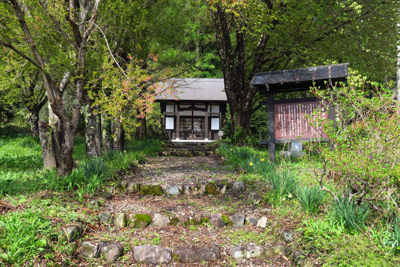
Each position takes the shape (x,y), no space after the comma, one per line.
(291,122)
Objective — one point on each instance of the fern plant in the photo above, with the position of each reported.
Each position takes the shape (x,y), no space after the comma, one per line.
(310,198)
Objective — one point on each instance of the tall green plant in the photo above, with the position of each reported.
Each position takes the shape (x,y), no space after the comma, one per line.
(283,185)
(22,236)
(310,198)
(351,215)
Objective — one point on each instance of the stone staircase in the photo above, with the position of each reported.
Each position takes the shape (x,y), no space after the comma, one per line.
(114,231)
(189,149)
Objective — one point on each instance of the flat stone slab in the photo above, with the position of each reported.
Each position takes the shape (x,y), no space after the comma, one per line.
(160,220)
(237,220)
(196,254)
(152,254)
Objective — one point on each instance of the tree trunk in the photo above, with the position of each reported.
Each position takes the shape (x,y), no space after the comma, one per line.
(106,132)
(119,136)
(47,145)
(93,131)
(34,122)
(141,130)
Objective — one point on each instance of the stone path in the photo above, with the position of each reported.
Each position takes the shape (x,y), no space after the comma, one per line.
(185,229)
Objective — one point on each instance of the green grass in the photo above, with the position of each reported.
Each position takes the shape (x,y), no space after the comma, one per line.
(21,165)
(22,236)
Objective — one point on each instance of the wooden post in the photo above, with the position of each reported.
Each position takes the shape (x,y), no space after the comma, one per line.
(206,125)
(177,126)
(271,126)
(164,120)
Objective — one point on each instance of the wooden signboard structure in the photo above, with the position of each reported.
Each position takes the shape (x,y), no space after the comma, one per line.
(287,120)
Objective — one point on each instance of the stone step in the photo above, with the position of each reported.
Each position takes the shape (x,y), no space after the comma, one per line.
(218,220)
(189,253)
(185,153)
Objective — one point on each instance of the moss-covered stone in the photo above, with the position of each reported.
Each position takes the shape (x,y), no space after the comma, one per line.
(174,221)
(139,220)
(212,189)
(204,220)
(226,220)
(175,257)
(133,188)
(191,222)
(153,190)
(227,184)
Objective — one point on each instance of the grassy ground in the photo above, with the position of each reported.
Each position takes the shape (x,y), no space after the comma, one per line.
(35,203)
(325,232)
(34,200)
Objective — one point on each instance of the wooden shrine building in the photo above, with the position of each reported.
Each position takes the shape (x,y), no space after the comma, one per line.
(287,122)
(196,111)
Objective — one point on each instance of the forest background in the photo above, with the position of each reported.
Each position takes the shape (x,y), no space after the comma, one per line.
(99,64)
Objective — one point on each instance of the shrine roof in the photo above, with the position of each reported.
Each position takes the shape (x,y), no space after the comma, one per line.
(190,89)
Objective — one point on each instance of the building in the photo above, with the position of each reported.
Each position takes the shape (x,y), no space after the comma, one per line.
(196,111)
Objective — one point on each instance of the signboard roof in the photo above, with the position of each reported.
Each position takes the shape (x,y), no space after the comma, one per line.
(301,79)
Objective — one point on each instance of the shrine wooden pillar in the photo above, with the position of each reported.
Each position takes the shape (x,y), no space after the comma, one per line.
(177,126)
(271,126)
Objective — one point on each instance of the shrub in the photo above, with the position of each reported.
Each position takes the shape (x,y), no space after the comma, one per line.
(363,141)
(351,215)
(310,198)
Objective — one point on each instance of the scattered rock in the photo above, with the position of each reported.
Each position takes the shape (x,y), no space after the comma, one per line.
(70,234)
(149,189)
(237,220)
(265,210)
(277,249)
(160,220)
(152,255)
(215,189)
(105,216)
(89,250)
(287,236)
(268,253)
(105,195)
(226,220)
(238,187)
(122,186)
(262,222)
(216,220)
(120,220)
(195,254)
(133,188)
(182,220)
(139,220)
(237,252)
(110,250)
(190,190)
(249,251)
(254,197)
(252,220)
(173,190)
